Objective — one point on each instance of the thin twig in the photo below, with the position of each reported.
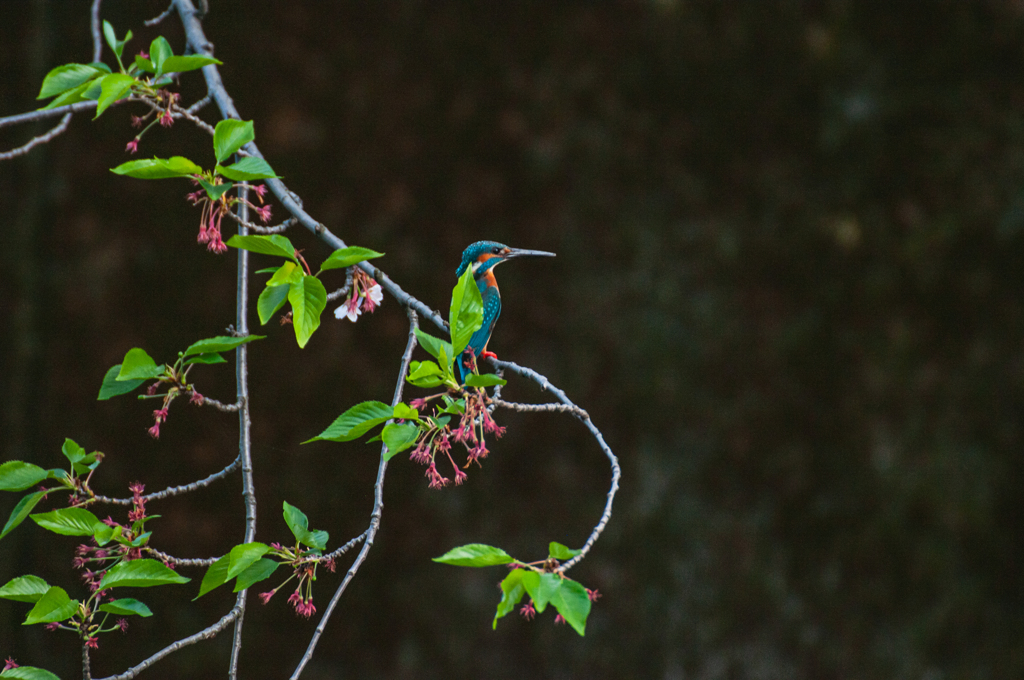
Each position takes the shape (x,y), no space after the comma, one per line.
(284,226)
(43,114)
(345,548)
(97,40)
(86,666)
(244,419)
(176,490)
(157,19)
(220,405)
(343,291)
(59,128)
(204,634)
(183,561)
(198,106)
(378,504)
(585,419)
(541,408)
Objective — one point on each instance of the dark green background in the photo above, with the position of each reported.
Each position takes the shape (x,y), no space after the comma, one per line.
(788,289)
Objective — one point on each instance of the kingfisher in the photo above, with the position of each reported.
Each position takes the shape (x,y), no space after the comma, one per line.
(482,257)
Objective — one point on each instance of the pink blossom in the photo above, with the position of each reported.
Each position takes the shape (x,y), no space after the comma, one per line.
(328,564)
(265,597)
(420,454)
(137,121)
(136,488)
(52,626)
(559,619)
(306,609)
(261,190)
(372,297)
(122,623)
(166,120)
(592,595)
(418,403)
(437,481)
(527,611)
(264,213)
(295,600)
(154,431)
(160,415)
(93,643)
(204,236)
(151,390)
(196,398)
(133,146)
(9,664)
(460,477)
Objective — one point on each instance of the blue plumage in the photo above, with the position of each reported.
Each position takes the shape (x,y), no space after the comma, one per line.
(483,257)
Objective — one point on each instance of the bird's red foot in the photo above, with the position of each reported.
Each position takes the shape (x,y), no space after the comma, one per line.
(488,355)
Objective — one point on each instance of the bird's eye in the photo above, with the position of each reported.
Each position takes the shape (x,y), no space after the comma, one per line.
(496,250)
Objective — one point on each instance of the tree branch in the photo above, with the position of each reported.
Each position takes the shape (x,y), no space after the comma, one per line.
(204,634)
(176,490)
(582,416)
(378,504)
(97,38)
(57,129)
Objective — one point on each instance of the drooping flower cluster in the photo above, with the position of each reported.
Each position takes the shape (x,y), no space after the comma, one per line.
(177,387)
(304,566)
(214,211)
(364,296)
(162,102)
(437,437)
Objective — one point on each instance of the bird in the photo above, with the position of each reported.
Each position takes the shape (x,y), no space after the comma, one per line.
(482,257)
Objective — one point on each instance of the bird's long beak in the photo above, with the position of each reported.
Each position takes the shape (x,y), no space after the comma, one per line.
(519,252)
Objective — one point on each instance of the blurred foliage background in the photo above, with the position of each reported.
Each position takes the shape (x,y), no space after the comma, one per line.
(789,290)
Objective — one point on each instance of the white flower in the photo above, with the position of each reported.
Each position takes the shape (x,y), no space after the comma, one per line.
(350,310)
(376,294)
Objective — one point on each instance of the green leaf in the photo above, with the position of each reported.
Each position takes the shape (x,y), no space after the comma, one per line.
(144,64)
(115,86)
(72,451)
(247,169)
(113,387)
(24,589)
(137,365)
(28,673)
(346,257)
(271,299)
(16,475)
(126,606)
(512,592)
(275,244)
(285,275)
(192,62)
(21,511)
(298,523)
(215,191)
(158,168)
(221,343)
(484,380)
(68,521)
(55,605)
(435,346)
(475,555)
(465,316)
(140,574)
(399,437)
(308,298)
(243,556)
(72,96)
(67,77)
(212,358)
(425,374)
(356,421)
(405,412)
(159,50)
(104,534)
(258,571)
(561,552)
(541,587)
(216,575)
(231,135)
(573,604)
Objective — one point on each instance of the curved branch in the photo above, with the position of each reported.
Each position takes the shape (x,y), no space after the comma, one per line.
(378,505)
(176,490)
(183,561)
(97,40)
(582,416)
(204,634)
(57,129)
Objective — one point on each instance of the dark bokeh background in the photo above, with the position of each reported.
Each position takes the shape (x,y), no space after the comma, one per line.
(788,289)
